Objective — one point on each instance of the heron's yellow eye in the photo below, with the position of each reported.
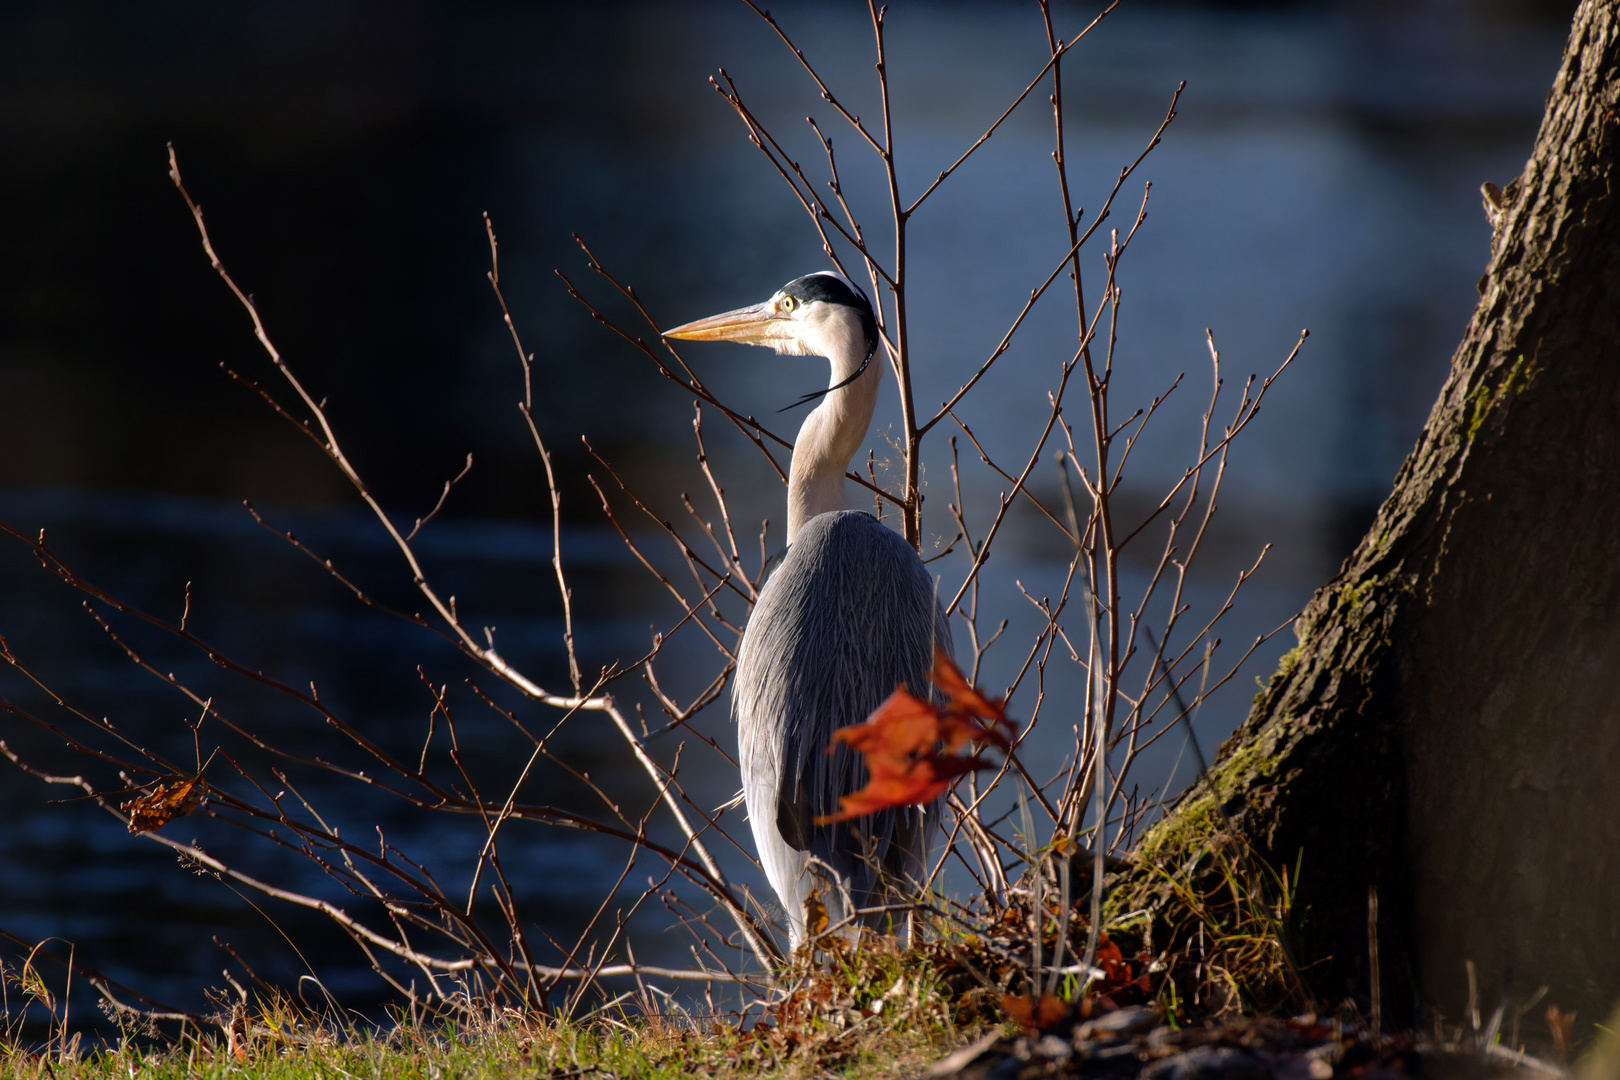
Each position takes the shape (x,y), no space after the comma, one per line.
(789,303)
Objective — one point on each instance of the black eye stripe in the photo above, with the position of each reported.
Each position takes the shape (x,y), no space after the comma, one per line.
(826,288)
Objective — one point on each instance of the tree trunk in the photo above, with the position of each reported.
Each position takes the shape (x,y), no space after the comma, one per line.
(1448,731)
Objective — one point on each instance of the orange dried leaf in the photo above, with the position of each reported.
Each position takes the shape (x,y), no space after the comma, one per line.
(957,731)
(163,804)
(913,747)
(1019,1009)
(1112,961)
(903,724)
(1562,1026)
(965,699)
(918,784)
(1052,1010)
(1035,1016)
(815,914)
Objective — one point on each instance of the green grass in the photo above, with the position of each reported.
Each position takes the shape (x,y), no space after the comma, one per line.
(638,1049)
(874,1011)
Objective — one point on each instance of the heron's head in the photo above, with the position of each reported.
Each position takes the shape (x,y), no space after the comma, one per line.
(821,314)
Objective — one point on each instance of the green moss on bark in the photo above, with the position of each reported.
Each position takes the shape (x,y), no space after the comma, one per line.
(1485,398)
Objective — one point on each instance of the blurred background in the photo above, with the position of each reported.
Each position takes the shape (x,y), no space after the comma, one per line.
(1323,172)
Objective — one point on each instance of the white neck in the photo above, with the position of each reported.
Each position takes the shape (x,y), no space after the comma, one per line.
(832,433)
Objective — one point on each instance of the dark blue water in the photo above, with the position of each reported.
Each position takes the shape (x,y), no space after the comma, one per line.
(73,872)
(1323,173)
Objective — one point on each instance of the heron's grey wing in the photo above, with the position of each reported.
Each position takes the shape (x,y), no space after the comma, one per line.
(848,615)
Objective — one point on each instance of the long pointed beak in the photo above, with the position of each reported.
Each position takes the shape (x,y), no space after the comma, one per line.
(748,324)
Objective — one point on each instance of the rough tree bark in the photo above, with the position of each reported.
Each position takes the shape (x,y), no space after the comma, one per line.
(1448,730)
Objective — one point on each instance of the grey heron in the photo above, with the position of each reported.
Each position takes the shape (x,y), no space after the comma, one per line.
(848,614)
